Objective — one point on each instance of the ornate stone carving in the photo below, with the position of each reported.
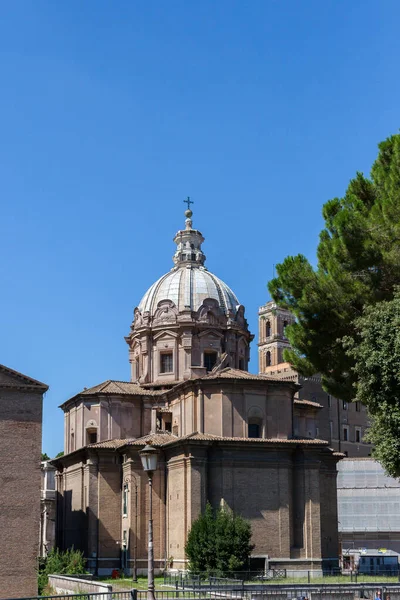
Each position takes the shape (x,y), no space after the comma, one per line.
(166,313)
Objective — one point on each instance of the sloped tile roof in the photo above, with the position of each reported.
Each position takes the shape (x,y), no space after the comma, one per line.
(153,439)
(17,379)
(229,373)
(112,444)
(112,386)
(308,403)
(210,437)
(166,438)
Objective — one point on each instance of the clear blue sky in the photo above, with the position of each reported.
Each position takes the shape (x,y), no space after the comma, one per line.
(113,112)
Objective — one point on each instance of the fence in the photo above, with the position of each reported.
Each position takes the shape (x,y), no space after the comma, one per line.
(184,581)
(253,592)
(187,580)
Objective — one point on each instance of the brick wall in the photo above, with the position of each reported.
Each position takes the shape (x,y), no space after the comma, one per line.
(20,454)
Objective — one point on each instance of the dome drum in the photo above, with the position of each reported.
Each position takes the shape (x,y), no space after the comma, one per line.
(188,323)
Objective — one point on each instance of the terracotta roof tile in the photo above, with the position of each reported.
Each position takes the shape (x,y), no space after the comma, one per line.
(119,387)
(229,373)
(165,438)
(209,437)
(153,439)
(112,444)
(111,386)
(308,403)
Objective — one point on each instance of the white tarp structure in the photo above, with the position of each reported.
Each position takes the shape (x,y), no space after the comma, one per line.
(368,500)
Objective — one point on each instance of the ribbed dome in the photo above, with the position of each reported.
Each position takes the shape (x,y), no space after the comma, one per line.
(187,287)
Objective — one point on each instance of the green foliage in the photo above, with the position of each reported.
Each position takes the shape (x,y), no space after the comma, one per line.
(358,265)
(219,543)
(45,456)
(376,355)
(60,454)
(70,562)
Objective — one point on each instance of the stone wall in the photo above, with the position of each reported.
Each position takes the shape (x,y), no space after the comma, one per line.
(20,454)
(64,584)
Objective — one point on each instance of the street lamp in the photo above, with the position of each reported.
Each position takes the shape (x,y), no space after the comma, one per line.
(149,457)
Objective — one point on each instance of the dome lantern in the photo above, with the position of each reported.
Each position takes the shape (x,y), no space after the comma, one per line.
(188,242)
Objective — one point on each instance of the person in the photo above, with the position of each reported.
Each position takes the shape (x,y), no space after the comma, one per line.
(378,595)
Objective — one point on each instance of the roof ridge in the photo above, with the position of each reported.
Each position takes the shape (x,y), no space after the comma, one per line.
(26,378)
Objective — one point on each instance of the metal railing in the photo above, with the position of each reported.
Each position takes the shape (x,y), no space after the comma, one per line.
(187,580)
(252,591)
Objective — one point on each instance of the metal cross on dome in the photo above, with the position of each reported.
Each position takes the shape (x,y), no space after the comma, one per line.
(189,202)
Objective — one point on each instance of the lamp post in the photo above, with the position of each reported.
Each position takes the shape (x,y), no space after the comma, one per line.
(149,457)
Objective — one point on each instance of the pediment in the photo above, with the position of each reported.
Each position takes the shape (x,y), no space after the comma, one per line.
(165,334)
(211,333)
(13,379)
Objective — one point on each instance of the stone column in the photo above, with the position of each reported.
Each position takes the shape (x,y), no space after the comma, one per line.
(91,505)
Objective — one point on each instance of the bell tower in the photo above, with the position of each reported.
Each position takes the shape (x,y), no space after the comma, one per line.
(272,322)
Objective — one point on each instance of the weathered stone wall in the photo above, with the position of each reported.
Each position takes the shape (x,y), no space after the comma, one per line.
(64,584)
(279,490)
(20,454)
(226,409)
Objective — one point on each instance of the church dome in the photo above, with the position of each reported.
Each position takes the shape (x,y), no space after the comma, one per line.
(189,283)
(187,286)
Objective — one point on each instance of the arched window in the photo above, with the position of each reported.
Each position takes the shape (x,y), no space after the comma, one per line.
(285,324)
(91,435)
(268,328)
(268,359)
(255,423)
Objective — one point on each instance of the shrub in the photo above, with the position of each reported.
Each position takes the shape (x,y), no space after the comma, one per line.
(219,543)
(70,562)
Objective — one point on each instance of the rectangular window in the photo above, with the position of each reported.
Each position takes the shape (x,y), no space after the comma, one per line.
(344,404)
(166,362)
(210,358)
(345,433)
(358,406)
(125,499)
(329,400)
(92,437)
(358,435)
(254,430)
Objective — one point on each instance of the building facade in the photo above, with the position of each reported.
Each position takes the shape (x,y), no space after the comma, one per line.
(20,451)
(342,423)
(224,435)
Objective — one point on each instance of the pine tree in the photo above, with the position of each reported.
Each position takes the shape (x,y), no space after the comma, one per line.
(358,265)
